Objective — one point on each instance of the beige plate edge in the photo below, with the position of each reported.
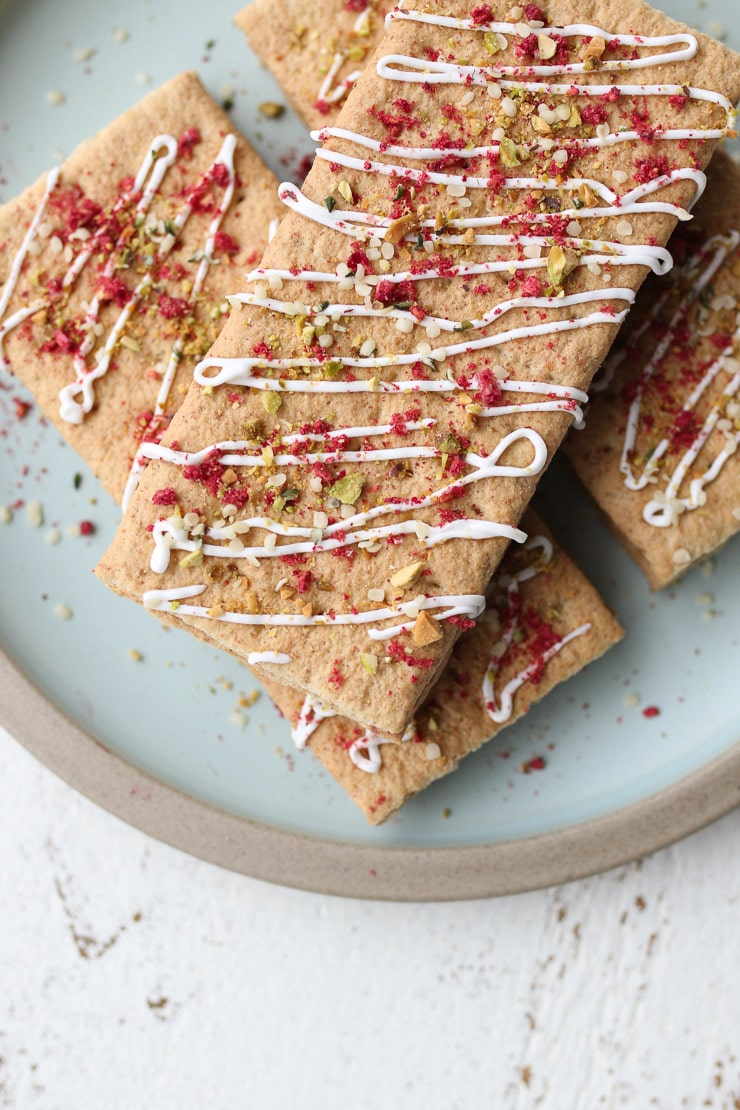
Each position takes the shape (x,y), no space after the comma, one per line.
(351,870)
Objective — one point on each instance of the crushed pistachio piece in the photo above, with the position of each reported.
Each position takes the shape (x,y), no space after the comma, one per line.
(540,125)
(407,575)
(271,401)
(348,489)
(490,41)
(345,190)
(560,263)
(369,662)
(546,46)
(192,559)
(271,109)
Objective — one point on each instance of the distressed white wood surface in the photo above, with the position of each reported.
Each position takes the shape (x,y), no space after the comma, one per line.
(134,976)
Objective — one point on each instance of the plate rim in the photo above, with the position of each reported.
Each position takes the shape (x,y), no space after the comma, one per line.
(383,873)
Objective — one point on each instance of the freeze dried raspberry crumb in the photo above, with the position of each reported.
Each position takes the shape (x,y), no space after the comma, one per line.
(481,14)
(526,47)
(225,244)
(238,495)
(304,578)
(208,473)
(66,340)
(357,257)
(219,175)
(537,763)
(336,678)
(463,623)
(113,289)
(647,169)
(390,292)
(594,114)
(173,308)
(166,496)
(531,287)
(187,142)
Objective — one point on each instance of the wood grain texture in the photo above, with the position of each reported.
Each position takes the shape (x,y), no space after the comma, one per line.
(137,976)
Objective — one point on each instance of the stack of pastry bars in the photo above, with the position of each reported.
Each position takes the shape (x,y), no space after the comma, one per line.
(338,487)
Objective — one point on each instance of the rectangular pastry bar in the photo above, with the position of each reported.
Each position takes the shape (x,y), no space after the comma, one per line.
(543,623)
(659,454)
(114,270)
(358,448)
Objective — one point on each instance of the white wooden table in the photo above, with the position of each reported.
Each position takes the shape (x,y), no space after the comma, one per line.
(137,977)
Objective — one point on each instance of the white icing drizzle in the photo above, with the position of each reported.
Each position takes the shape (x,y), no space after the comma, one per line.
(77,398)
(154,168)
(369,743)
(615,204)
(311,716)
(664,509)
(225,157)
(158,159)
(444,324)
(488,464)
(330,93)
(279,658)
(571,30)
(590,251)
(422,71)
(237,372)
(167,536)
(15,270)
(171,532)
(501,712)
(452,605)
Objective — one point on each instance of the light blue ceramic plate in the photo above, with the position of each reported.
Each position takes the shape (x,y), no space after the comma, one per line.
(172,714)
